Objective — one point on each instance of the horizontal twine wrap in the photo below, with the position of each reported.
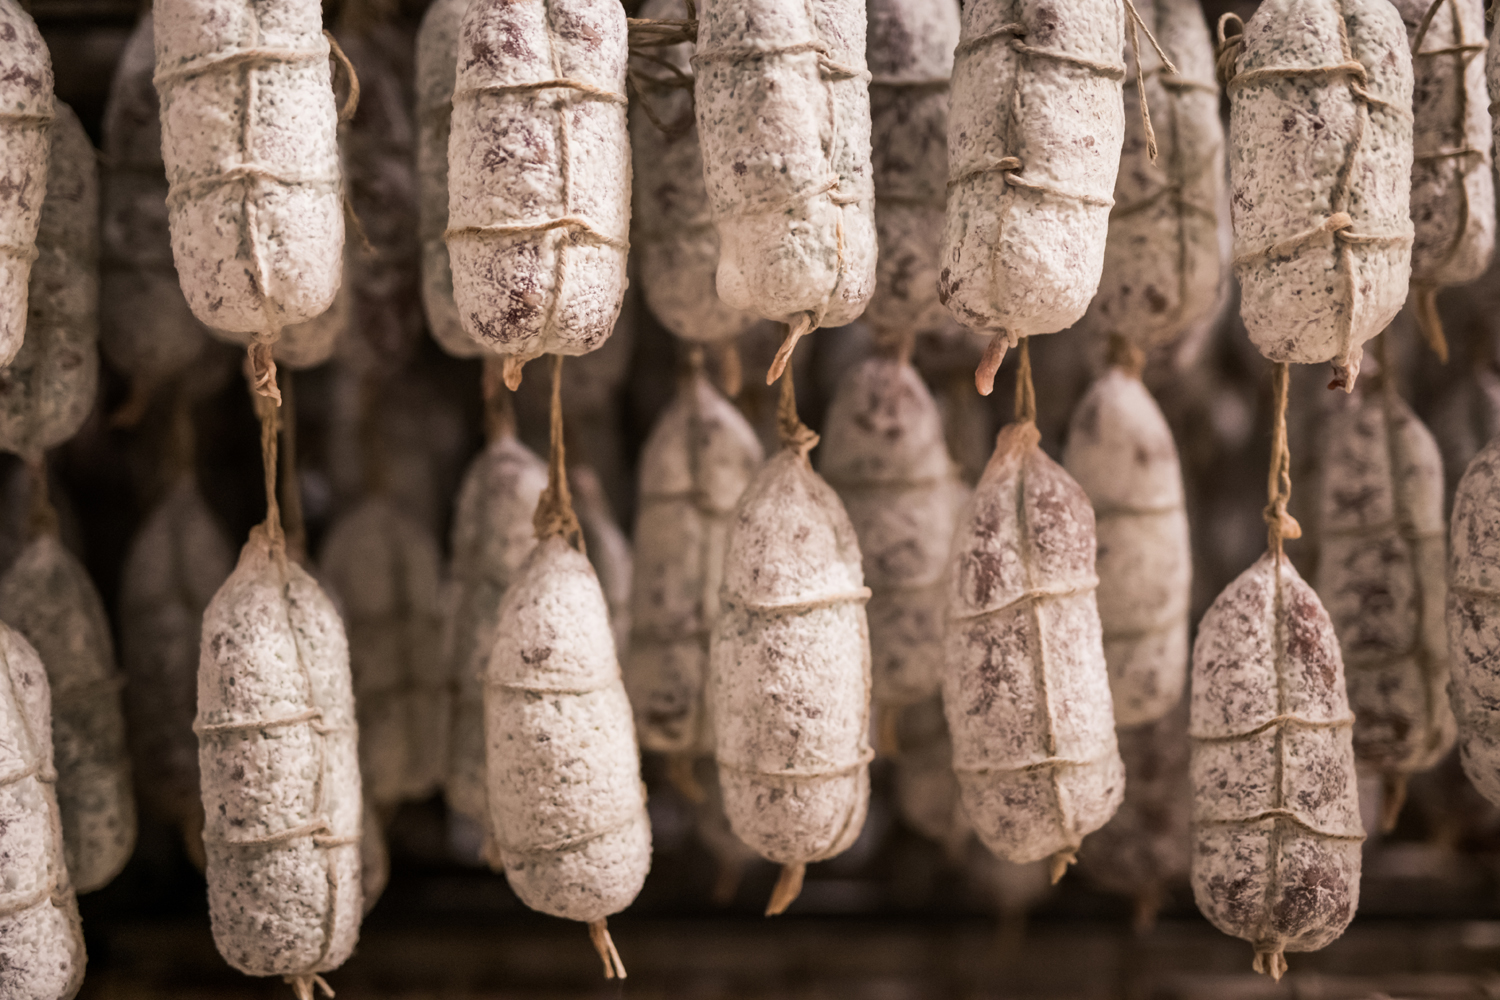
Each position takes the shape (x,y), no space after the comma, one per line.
(577,227)
(859,596)
(1338,224)
(1280,814)
(27,253)
(1046,762)
(559,83)
(233,58)
(319,829)
(1285,719)
(26,119)
(1032,595)
(568,845)
(801,774)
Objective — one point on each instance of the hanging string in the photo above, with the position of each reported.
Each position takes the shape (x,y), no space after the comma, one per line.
(1126,356)
(267,408)
(731,374)
(554,511)
(1025,388)
(294,525)
(499,409)
(1280,525)
(793,432)
(42,517)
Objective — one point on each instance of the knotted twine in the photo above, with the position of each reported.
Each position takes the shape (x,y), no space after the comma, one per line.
(554,510)
(1279,524)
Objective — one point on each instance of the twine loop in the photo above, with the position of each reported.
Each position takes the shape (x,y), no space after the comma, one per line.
(793,432)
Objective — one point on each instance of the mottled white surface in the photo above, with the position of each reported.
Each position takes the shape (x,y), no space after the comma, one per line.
(1162,259)
(175,564)
(1276,830)
(1381,575)
(436,69)
(696,462)
(567,808)
(776,130)
(1015,259)
(1474,618)
(26,107)
(1025,686)
(263,251)
(47,391)
(1120,450)
(47,596)
(789,668)
(384,568)
(910,53)
(677,246)
(883,451)
(1282,178)
(1452,197)
(148,332)
(274,649)
(519,157)
(492,535)
(40,936)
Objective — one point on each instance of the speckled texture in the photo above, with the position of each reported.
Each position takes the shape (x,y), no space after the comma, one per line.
(567,808)
(778,129)
(789,682)
(175,564)
(40,936)
(255,251)
(910,52)
(1144,852)
(1492,75)
(1016,259)
(48,389)
(1025,686)
(1452,197)
(1474,618)
(26,107)
(149,333)
(677,246)
(1382,550)
(384,569)
(697,461)
(1276,830)
(519,157)
(883,451)
(608,549)
(47,596)
(492,535)
(274,650)
(1162,262)
(1120,450)
(437,67)
(1283,180)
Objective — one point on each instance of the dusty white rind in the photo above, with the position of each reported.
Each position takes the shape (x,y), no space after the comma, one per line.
(26,108)
(436,68)
(1276,829)
(47,596)
(47,390)
(251,152)
(567,809)
(1474,618)
(1381,575)
(174,566)
(1025,686)
(148,332)
(1120,450)
(524,156)
(1162,262)
(1295,301)
(384,569)
(280,770)
(677,246)
(41,938)
(1023,249)
(910,53)
(789,669)
(786,155)
(492,535)
(1452,196)
(696,462)
(883,451)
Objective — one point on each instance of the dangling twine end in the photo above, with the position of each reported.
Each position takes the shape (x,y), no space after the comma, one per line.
(793,432)
(304,984)
(512,371)
(887,735)
(1058,864)
(989,365)
(605,946)
(260,368)
(731,372)
(1430,322)
(351,101)
(554,510)
(788,888)
(499,411)
(794,332)
(1392,799)
(1270,963)
(680,774)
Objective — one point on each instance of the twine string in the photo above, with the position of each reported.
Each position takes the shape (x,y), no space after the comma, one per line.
(554,511)
(1025,388)
(1280,525)
(268,410)
(42,516)
(793,432)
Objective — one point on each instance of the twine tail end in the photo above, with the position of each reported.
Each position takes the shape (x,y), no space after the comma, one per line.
(795,332)
(788,888)
(1430,322)
(605,946)
(512,371)
(304,984)
(731,372)
(989,365)
(261,366)
(1392,799)
(887,736)
(1270,963)
(1059,862)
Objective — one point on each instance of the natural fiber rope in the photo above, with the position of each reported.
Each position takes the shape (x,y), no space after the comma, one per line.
(554,510)
(41,520)
(20,253)
(1280,525)
(1282,719)
(1025,388)
(576,225)
(267,409)
(558,83)
(798,774)
(793,432)
(25,119)
(1033,594)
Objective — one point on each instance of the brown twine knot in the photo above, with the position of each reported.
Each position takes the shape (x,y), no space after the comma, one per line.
(1227,49)
(1279,523)
(794,433)
(260,367)
(554,511)
(267,409)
